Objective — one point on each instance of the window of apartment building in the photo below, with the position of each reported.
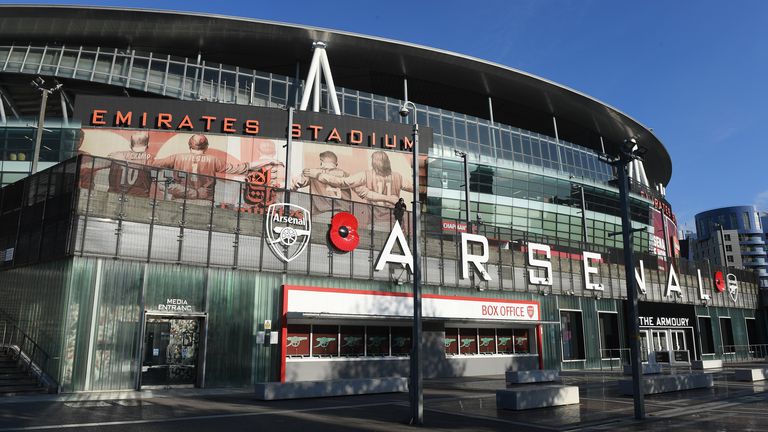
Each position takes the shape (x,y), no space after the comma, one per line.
(729,248)
(730,258)
(609,334)
(727,237)
(746,220)
(726,335)
(572,335)
(707,338)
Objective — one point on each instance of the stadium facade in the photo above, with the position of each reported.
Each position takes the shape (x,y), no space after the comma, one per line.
(216,204)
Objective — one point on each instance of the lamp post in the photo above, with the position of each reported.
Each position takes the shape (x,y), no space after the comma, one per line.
(415,388)
(38,84)
(627,153)
(463,156)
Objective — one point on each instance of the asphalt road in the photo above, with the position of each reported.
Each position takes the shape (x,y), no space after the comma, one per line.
(457,405)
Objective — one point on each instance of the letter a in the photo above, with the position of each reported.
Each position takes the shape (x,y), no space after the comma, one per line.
(388,257)
(673,283)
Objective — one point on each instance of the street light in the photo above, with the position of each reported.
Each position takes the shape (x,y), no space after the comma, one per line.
(628,152)
(463,155)
(416,391)
(38,83)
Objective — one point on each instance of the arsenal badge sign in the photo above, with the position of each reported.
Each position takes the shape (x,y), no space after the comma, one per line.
(288,230)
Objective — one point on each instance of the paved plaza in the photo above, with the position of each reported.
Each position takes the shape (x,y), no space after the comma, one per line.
(463,404)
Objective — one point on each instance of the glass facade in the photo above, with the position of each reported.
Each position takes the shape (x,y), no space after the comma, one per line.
(513,170)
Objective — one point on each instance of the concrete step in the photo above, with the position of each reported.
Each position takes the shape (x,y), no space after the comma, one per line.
(20,380)
(19,390)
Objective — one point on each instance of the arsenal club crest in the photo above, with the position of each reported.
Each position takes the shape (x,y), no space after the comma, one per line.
(530,310)
(288,230)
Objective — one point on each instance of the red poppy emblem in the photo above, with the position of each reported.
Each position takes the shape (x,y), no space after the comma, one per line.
(719,281)
(343,233)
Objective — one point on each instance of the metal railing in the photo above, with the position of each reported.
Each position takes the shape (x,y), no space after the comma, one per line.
(29,355)
(614,358)
(743,353)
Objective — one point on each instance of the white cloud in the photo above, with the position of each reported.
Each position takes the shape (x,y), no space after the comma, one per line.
(761,201)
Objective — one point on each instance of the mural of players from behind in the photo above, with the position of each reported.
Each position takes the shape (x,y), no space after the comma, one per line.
(201,169)
(329,166)
(379,185)
(125,177)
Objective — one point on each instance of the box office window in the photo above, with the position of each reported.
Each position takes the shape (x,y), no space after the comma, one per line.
(609,335)
(401,340)
(707,338)
(487,341)
(467,341)
(451,341)
(297,343)
(726,332)
(352,340)
(325,341)
(522,341)
(377,341)
(505,341)
(572,335)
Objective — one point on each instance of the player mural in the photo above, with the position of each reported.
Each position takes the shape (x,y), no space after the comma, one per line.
(362,175)
(186,166)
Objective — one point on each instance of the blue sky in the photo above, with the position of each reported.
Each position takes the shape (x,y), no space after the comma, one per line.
(694,71)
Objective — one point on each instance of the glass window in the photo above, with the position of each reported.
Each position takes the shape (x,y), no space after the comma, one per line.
(377,343)
(726,334)
(401,340)
(325,341)
(746,221)
(352,338)
(487,341)
(297,343)
(451,341)
(504,341)
(522,341)
(572,335)
(609,335)
(468,341)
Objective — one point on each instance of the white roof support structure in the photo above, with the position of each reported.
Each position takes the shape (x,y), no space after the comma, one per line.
(317,68)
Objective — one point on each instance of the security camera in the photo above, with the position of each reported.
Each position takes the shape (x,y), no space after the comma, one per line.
(404,111)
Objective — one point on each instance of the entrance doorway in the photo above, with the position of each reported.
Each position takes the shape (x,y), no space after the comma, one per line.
(171,351)
(667,345)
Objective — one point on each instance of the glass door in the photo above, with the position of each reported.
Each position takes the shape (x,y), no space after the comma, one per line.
(679,347)
(644,348)
(660,345)
(171,347)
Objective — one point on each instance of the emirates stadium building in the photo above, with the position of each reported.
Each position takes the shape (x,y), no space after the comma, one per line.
(210,201)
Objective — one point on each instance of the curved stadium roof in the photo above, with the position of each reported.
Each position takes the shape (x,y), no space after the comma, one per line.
(436,77)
